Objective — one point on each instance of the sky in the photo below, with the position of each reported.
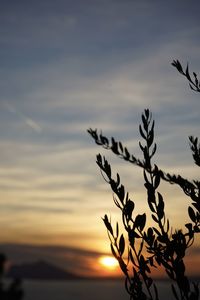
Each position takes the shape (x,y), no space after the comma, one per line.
(66,66)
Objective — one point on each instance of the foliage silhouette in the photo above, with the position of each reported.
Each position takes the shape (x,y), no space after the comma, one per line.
(14,291)
(194,82)
(144,247)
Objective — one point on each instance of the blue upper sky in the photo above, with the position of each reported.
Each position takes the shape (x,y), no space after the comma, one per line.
(66,66)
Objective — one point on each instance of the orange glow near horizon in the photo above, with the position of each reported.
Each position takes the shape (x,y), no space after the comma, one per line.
(108,262)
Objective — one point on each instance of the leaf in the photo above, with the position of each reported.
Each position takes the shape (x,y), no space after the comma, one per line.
(154,218)
(189,226)
(150,236)
(195,75)
(196,80)
(104,140)
(152,126)
(150,139)
(121,245)
(113,186)
(153,151)
(144,121)
(114,146)
(113,251)
(151,203)
(178,66)
(128,209)
(99,159)
(117,229)
(107,168)
(146,178)
(160,207)
(123,266)
(191,87)
(169,272)
(162,238)
(148,270)
(132,235)
(150,232)
(156,180)
(147,112)
(167,225)
(187,73)
(140,221)
(127,154)
(107,224)
(116,202)
(156,231)
(93,133)
(151,136)
(151,261)
(196,205)
(118,179)
(196,228)
(121,147)
(121,193)
(191,214)
(141,147)
(131,257)
(141,132)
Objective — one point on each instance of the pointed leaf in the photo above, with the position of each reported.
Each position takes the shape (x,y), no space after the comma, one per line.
(187,73)
(114,146)
(107,224)
(154,218)
(160,207)
(113,251)
(117,230)
(127,154)
(121,245)
(153,151)
(121,147)
(142,133)
(191,214)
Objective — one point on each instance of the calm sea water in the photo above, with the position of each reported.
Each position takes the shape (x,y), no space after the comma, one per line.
(83,290)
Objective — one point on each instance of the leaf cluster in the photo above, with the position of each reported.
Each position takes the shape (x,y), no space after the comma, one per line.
(193,80)
(159,245)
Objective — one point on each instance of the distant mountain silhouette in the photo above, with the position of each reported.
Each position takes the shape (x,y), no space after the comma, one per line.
(39,270)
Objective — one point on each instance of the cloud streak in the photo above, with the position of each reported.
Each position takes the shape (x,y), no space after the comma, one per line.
(28,121)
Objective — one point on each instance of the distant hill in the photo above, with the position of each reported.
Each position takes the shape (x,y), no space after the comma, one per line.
(39,270)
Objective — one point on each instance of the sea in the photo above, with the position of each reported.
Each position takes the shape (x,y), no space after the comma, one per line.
(84,290)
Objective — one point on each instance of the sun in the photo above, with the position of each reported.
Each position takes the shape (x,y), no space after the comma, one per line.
(109,262)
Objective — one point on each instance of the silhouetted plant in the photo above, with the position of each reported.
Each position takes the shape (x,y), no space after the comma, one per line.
(194,82)
(13,291)
(159,245)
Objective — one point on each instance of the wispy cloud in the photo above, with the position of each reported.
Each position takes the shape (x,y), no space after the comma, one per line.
(22,117)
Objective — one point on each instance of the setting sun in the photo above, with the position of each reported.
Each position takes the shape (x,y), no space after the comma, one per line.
(108,262)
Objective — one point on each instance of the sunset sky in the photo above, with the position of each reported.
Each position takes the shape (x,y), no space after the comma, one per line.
(66,66)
